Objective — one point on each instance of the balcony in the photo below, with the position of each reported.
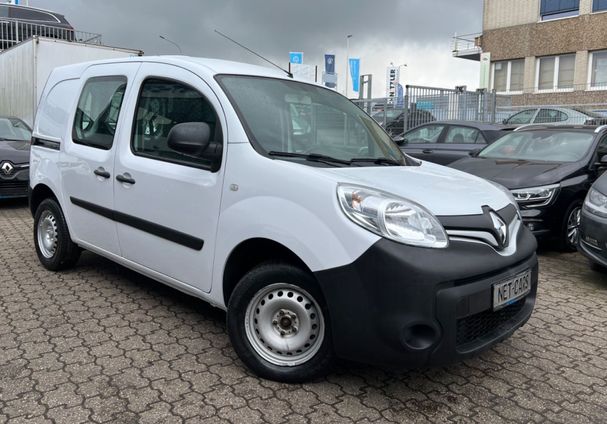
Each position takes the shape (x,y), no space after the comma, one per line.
(468,46)
(14,32)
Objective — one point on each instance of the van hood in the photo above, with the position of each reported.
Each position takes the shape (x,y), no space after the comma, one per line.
(17,152)
(443,191)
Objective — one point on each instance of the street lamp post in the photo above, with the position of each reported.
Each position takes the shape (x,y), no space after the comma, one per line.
(347,60)
(172,42)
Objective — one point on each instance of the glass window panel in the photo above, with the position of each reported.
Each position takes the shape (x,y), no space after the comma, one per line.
(517,73)
(546,73)
(500,76)
(566,71)
(599,5)
(599,69)
(461,135)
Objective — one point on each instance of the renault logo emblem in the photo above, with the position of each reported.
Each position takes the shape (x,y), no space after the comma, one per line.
(7,168)
(501,229)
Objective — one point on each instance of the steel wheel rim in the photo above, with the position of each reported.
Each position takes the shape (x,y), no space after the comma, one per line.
(47,234)
(284,324)
(573,225)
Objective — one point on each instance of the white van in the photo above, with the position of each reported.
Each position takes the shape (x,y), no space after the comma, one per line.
(284,204)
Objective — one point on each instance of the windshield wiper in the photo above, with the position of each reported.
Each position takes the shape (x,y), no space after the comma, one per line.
(312,157)
(378,161)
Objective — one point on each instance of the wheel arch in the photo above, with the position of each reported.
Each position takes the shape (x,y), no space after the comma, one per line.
(38,194)
(250,253)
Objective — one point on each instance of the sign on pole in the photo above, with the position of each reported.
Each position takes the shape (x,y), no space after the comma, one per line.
(355,73)
(392,82)
(296,58)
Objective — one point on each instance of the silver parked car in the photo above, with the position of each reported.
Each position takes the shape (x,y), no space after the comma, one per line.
(555,115)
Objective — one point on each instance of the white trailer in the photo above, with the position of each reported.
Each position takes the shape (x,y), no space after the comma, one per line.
(25,68)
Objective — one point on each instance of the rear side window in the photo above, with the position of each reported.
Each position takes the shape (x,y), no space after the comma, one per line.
(546,116)
(98,111)
(462,135)
(162,105)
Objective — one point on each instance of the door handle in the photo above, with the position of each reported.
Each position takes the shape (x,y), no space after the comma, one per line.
(427,151)
(125,178)
(101,172)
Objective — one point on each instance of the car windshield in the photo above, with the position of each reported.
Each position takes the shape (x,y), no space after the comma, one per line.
(545,145)
(14,129)
(299,121)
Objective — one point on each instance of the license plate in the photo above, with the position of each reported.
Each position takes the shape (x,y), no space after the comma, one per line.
(509,291)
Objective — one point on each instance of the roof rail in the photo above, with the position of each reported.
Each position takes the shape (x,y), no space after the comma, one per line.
(526,126)
(600,128)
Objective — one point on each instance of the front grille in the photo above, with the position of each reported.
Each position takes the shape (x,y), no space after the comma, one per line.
(13,188)
(478,326)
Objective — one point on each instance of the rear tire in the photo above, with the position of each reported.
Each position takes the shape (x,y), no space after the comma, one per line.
(570,229)
(279,325)
(56,250)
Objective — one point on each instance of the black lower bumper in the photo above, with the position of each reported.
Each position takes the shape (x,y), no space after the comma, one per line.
(593,238)
(407,307)
(14,187)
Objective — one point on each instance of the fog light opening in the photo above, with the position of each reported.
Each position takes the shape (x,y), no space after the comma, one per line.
(419,336)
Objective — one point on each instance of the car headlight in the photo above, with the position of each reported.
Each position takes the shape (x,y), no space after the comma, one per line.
(535,196)
(596,203)
(392,217)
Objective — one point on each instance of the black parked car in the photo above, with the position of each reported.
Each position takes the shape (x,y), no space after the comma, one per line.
(15,137)
(443,142)
(549,170)
(415,117)
(593,226)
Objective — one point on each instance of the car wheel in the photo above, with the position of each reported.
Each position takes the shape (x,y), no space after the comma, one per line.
(54,247)
(279,325)
(571,227)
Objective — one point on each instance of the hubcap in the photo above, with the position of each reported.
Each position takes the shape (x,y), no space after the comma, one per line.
(284,324)
(47,234)
(573,225)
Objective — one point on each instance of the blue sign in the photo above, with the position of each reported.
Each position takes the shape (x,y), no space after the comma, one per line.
(330,63)
(400,96)
(296,57)
(355,73)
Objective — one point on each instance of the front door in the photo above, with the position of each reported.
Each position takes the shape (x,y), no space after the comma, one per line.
(167,203)
(87,162)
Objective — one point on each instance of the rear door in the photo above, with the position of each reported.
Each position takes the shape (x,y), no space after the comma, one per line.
(167,203)
(422,141)
(88,155)
(457,143)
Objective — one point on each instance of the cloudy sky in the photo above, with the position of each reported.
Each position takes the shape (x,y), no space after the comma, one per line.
(415,32)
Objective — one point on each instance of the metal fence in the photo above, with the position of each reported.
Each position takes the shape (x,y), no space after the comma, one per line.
(420,105)
(14,32)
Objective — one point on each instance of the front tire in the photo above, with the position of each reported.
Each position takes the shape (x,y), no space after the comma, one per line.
(56,250)
(570,232)
(279,325)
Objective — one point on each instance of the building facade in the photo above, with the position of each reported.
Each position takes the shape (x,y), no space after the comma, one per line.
(544,51)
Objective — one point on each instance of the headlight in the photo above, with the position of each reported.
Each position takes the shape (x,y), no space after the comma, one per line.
(392,217)
(535,196)
(596,203)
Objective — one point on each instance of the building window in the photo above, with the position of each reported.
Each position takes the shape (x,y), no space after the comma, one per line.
(554,9)
(599,5)
(555,73)
(598,70)
(508,76)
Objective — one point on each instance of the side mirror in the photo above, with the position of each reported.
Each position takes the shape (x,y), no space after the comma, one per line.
(474,153)
(602,163)
(190,138)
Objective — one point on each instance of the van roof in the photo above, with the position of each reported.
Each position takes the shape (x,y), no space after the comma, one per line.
(205,66)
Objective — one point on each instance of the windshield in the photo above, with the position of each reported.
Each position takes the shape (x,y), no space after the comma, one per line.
(14,129)
(288,117)
(546,145)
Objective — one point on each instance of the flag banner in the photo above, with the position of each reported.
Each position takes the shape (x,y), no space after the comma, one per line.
(330,63)
(296,57)
(400,96)
(355,73)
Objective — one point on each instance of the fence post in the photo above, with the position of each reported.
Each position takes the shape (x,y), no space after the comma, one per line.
(406,107)
(494,106)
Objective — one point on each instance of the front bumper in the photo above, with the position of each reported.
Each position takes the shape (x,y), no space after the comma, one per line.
(540,222)
(408,307)
(593,238)
(15,185)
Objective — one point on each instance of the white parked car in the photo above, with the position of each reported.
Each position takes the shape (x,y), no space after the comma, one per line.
(319,238)
(548,115)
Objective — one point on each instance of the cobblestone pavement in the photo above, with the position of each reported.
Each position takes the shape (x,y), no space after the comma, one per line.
(103,344)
